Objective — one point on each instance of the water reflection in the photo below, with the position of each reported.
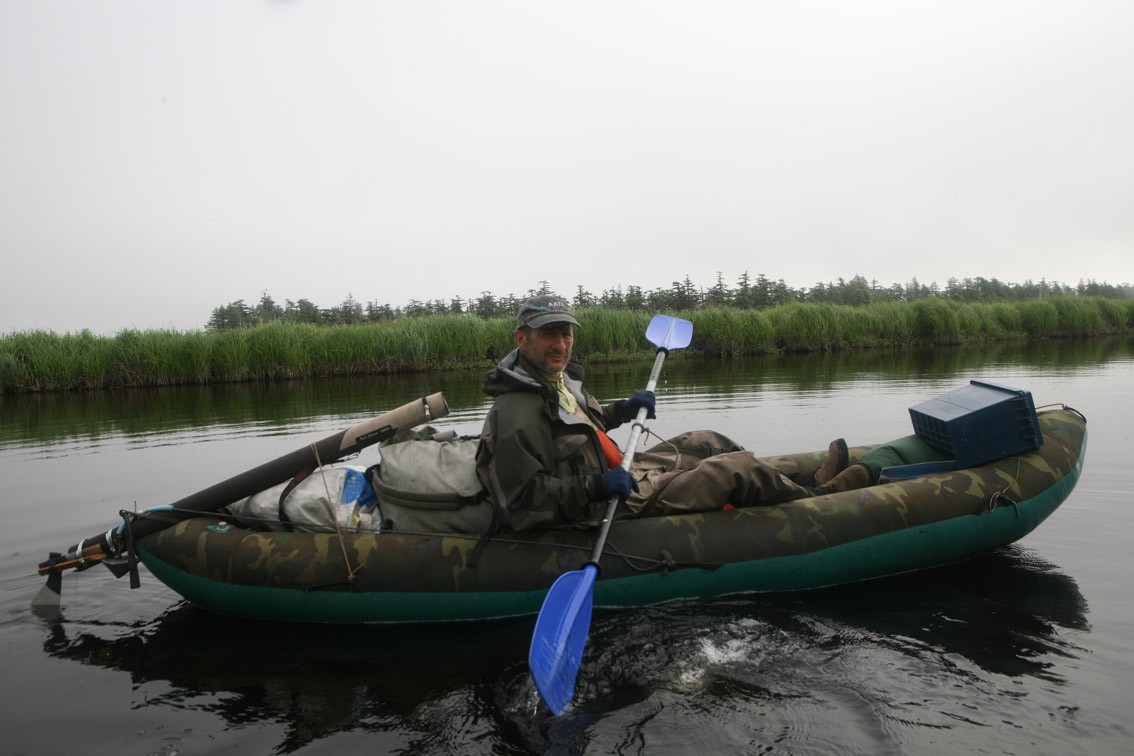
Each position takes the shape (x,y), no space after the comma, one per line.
(314,679)
(1006,614)
(1003,611)
(813,372)
(254,408)
(289,406)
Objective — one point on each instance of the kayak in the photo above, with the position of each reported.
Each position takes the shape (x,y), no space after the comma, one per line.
(936,517)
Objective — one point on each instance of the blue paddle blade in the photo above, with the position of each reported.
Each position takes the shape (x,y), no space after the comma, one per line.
(560,636)
(666,332)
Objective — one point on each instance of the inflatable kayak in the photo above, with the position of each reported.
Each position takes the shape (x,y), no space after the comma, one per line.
(897,526)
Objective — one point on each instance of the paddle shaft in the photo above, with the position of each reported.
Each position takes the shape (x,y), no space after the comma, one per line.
(565,618)
(627,459)
(330,449)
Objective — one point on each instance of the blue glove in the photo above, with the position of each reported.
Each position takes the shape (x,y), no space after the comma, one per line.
(618,482)
(637,400)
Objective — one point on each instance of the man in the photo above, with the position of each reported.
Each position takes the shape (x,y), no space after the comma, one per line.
(545,459)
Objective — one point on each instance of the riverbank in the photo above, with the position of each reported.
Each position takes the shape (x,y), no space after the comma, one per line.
(39,361)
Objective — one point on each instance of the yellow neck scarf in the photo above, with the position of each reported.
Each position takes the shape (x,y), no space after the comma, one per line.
(567,400)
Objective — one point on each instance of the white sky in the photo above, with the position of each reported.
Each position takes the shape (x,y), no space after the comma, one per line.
(161,158)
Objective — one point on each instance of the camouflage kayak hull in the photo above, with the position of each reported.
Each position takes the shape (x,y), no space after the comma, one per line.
(883,530)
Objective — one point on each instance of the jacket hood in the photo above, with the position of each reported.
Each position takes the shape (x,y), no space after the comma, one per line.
(516,373)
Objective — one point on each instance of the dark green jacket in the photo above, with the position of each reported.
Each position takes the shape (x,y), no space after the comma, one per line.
(541,466)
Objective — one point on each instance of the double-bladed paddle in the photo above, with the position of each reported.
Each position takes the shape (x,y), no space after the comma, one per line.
(565,617)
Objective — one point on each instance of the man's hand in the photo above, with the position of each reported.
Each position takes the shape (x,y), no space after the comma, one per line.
(618,482)
(636,401)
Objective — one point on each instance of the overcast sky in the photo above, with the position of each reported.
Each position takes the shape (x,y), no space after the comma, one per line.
(159,159)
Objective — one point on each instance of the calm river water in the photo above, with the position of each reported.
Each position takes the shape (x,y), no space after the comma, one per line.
(1025,651)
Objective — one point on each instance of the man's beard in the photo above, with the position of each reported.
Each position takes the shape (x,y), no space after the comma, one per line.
(545,366)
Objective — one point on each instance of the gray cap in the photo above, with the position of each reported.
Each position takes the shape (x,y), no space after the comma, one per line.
(545,310)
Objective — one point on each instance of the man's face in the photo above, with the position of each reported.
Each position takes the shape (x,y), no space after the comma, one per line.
(548,348)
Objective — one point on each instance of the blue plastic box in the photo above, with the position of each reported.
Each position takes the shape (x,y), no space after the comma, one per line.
(978,423)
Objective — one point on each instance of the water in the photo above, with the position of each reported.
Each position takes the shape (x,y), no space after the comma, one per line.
(1022,651)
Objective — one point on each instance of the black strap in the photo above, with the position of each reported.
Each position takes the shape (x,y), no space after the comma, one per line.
(299,478)
(482,542)
(131,555)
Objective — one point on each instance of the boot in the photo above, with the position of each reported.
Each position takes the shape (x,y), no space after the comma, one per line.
(836,462)
(854,477)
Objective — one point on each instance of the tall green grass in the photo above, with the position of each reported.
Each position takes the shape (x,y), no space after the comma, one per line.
(44,361)
(1039,318)
(800,327)
(1117,314)
(726,332)
(604,333)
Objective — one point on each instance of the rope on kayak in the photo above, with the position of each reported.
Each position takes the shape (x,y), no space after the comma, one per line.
(665,563)
(636,562)
(1001,496)
(351,571)
(1046,408)
(667,442)
(168,516)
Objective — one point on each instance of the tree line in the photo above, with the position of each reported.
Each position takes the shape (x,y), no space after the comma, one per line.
(748,293)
